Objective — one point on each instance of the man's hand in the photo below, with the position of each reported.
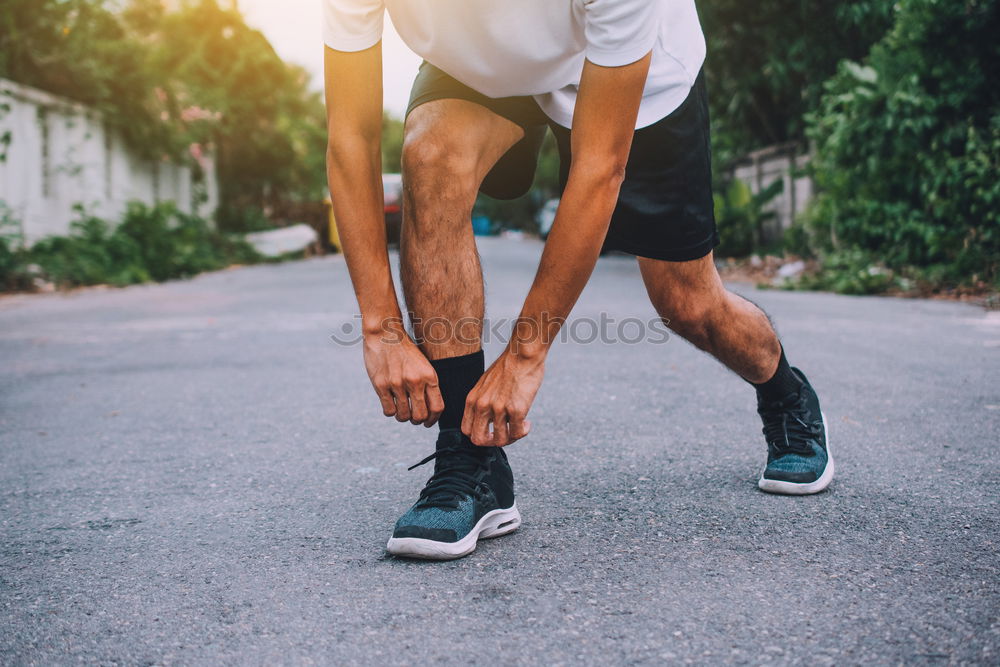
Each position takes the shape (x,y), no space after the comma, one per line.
(404,380)
(502,397)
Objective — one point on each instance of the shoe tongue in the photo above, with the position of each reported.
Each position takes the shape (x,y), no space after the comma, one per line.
(452,438)
(786,401)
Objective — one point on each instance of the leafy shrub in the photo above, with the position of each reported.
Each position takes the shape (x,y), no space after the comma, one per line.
(151,243)
(740,216)
(768,60)
(849,272)
(242,219)
(908,146)
(13,273)
(88,256)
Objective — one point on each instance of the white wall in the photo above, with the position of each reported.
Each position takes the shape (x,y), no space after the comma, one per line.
(782,162)
(61,154)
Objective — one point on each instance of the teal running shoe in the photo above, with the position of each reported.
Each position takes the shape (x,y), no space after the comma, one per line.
(798,450)
(469,496)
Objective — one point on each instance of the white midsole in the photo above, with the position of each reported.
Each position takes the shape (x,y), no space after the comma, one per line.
(802,489)
(492,524)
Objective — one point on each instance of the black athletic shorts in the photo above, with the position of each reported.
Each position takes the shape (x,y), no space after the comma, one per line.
(665,208)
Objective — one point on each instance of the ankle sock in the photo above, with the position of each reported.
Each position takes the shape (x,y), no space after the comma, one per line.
(456,378)
(782,383)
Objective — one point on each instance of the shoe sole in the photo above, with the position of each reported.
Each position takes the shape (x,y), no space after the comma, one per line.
(492,524)
(797,488)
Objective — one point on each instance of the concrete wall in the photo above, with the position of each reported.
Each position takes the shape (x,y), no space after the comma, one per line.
(761,168)
(61,154)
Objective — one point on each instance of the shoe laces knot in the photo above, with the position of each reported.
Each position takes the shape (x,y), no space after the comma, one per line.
(787,428)
(458,474)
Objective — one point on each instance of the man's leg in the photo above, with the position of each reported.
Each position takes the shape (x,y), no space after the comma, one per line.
(449,146)
(696,305)
(690,296)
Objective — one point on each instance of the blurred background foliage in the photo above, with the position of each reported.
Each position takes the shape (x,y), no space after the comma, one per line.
(907,148)
(149,243)
(898,106)
(896,101)
(196,74)
(768,60)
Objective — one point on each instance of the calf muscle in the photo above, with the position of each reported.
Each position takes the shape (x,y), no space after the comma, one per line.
(449,147)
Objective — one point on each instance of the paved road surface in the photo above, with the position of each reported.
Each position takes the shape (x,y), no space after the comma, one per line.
(194,473)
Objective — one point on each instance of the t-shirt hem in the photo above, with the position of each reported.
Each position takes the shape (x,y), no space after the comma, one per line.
(618,57)
(651,110)
(352,43)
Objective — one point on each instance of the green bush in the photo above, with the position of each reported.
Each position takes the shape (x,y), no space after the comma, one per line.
(850,272)
(13,274)
(768,60)
(740,216)
(151,243)
(908,146)
(242,219)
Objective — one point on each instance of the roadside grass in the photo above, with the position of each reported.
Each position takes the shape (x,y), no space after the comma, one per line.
(857,273)
(151,243)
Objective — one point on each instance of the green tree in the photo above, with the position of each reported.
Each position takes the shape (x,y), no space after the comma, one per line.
(169,79)
(392,144)
(767,62)
(266,126)
(80,49)
(908,145)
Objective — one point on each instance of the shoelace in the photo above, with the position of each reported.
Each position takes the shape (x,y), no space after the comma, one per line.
(457,476)
(785,431)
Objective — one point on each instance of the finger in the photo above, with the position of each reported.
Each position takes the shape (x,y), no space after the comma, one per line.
(471,406)
(469,416)
(481,425)
(519,427)
(402,404)
(418,405)
(435,404)
(385,398)
(500,436)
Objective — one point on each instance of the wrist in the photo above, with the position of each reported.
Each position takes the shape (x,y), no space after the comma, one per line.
(390,328)
(528,351)
(532,336)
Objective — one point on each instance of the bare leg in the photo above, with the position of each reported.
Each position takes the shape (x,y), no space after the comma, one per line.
(449,147)
(691,298)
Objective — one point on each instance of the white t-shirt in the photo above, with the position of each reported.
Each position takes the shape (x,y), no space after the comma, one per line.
(502,48)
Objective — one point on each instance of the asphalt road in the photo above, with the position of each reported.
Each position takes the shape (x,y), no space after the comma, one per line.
(196,473)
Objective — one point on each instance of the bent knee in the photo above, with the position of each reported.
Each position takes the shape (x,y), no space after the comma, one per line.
(433,164)
(687,317)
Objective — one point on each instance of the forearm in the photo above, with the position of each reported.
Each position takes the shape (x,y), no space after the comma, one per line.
(600,142)
(354,174)
(568,260)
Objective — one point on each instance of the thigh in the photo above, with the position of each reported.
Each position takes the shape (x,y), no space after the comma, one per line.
(455,143)
(511,174)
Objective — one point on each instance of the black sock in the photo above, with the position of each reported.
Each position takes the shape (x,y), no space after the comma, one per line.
(456,378)
(782,383)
